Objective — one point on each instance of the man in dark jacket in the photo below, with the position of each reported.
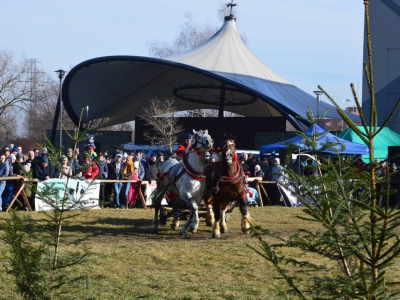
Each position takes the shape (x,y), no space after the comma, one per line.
(266,169)
(243,165)
(150,171)
(116,171)
(43,171)
(103,171)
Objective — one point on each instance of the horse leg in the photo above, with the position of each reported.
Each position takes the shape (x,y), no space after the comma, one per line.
(216,229)
(210,213)
(175,212)
(210,218)
(224,228)
(193,218)
(157,206)
(245,215)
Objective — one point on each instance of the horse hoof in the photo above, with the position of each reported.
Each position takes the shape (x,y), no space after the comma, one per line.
(216,236)
(224,230)
(193,230)
(174,227)
(246,231)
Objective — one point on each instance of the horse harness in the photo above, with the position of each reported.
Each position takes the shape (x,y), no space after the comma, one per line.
(199,176)
(227,180)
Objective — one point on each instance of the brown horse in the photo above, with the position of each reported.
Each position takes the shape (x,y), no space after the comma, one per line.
(228,186)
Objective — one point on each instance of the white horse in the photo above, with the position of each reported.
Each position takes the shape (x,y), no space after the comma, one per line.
(185,180)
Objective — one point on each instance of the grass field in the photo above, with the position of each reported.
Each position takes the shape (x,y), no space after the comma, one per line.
(127,261)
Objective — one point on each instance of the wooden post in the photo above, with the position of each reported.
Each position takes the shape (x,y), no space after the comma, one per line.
(140,195)
(257,185)
(22,192)
(266,195)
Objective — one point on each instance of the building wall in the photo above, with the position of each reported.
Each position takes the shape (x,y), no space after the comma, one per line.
(244,128)
(385,39)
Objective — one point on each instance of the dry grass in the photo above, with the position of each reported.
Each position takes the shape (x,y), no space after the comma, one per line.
(129,262)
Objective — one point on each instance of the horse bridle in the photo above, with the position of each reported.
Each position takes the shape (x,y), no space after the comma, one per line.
(194,148)
(227,143)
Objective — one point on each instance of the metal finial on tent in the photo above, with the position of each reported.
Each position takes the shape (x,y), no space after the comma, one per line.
(231,5)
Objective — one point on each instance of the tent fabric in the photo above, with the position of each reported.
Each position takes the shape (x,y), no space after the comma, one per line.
(385,138)
(119,87)
(350,147)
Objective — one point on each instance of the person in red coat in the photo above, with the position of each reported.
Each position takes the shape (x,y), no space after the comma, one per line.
(182,147)
(90,169)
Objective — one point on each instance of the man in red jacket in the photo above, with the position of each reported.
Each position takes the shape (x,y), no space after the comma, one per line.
(182,147)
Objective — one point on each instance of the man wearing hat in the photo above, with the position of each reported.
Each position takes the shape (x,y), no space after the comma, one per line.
(140,157)
(150,170)
(17,166)
(160,160)
(182,147)
(116,171)
(43,171)
(243,165)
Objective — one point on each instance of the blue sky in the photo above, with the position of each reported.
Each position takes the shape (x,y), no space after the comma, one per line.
(307,42)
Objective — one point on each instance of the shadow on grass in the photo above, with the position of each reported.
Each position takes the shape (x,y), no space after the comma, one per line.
(120,226)
(138,228)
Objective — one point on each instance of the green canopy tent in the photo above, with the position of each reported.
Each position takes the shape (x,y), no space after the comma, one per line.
(382,141)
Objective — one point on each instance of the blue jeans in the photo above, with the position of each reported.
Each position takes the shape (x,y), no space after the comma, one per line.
(126,187)
(2,186)
(8,193)
(117,191)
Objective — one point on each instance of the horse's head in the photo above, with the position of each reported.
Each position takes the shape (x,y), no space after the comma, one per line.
(228,151)
(201,141)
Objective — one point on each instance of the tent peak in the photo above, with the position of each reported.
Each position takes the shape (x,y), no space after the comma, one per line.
(230,18)
(231,5)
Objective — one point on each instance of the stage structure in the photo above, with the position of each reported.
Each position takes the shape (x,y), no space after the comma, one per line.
(384,16)
(220,73)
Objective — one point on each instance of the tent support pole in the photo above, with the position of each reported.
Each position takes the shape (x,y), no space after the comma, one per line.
(221,100)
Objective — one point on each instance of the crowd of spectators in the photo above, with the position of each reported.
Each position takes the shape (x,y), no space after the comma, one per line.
(92,165)
(134,166)
(88,165)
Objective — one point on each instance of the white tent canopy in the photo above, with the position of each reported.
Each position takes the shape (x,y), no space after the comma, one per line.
(118,87)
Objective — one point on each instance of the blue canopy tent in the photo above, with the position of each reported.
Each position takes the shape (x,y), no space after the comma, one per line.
(350,147)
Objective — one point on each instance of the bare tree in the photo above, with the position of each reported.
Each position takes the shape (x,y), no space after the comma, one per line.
(188,37)
(127,126)
(160,117)
(195,113)
(40,114)
(8,126)
(14,88)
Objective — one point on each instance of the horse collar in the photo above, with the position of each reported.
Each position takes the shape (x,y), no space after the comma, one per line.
(200,176)
(229,179)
